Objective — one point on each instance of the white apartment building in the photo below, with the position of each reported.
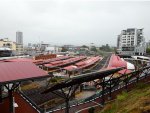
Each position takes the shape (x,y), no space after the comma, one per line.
(131,42)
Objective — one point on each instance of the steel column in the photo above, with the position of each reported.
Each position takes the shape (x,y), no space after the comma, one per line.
(110,88)
(11,107)
(0,93)
(103,88)
(67,105)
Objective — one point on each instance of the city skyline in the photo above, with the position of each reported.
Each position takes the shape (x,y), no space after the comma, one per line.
(72,22)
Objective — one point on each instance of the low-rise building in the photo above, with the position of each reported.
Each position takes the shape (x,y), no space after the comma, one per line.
(6,43)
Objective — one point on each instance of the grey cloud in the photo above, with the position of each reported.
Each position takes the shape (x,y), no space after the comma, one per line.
(74,22)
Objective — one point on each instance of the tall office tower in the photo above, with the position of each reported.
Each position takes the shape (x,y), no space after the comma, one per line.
(19,37)
(19,42)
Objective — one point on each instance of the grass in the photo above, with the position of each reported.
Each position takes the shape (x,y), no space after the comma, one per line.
(135,101)
(30,86)
(122,96)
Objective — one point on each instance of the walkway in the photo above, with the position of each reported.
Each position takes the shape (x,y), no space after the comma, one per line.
(23,105)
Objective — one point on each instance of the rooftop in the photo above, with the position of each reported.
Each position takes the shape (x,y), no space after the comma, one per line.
(17,71)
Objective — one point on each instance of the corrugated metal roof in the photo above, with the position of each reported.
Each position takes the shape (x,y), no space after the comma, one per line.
(13,71)
(19,60)
(70,68)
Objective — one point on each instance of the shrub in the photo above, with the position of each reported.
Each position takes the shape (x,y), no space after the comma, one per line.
(122,96)
(141,85)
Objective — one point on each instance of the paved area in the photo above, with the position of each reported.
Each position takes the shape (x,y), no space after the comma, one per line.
(23,106)
(84,94)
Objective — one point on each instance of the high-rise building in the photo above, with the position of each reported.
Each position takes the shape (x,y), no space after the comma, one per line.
(19,37)
(131,42)
(19,42)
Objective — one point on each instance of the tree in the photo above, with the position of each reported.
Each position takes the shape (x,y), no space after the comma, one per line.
(64,49)
(93,48)
(106,48)
(84,46)
(148,51)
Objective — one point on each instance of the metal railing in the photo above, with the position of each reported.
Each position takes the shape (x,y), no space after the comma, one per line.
(116,83)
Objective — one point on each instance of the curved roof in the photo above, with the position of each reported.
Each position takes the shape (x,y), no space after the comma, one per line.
(70,68)
(124,71)
(115,61)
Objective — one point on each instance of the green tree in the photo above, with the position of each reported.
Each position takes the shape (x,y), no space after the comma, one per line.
(84,46)
(64,49)
(93,48)
(106,48)
(148,51)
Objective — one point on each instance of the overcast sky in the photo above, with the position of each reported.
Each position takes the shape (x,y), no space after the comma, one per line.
(72,21)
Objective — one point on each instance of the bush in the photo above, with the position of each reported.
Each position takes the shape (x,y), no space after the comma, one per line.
(53,80)
(122,96)
(141,85)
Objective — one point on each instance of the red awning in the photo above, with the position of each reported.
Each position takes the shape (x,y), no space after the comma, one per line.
(115,61)
(70,68)
(124,71)
(17,71)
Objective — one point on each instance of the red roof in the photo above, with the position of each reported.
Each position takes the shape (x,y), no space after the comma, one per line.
(70,68)
(80,63)
(115,61)
(124,71)
(12,71)
(57,62)
(19,60)
(22,60)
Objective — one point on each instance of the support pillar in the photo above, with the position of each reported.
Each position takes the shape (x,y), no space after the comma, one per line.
(67,105)
(103,97)
(110,88)
(137,78)
(11,107)
(0,93)
(126,85)
(126,82)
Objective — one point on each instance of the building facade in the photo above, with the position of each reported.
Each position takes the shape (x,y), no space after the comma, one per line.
(19,42)
(7,47)
(6,43)
(131,42)
(19,37)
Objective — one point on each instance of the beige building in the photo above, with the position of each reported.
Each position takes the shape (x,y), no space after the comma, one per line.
(8,44)
(19,48)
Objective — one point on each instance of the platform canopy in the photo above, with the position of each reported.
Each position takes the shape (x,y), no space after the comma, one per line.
(11,72)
